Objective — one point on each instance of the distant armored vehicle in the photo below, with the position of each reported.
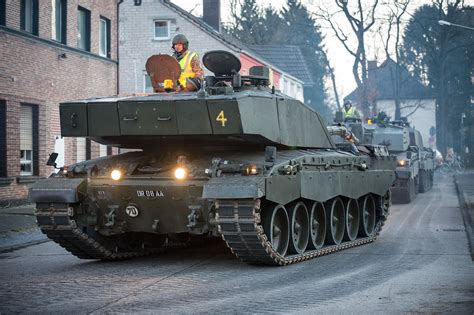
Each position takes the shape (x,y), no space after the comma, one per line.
(415,163)
(427,161)
(236,160)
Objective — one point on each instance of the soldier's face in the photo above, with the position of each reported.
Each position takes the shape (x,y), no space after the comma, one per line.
(179,47)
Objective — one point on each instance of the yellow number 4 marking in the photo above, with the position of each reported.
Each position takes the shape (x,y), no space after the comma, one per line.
(221,118)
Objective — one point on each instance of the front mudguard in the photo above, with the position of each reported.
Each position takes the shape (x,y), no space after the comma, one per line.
(234,187)
(58,190)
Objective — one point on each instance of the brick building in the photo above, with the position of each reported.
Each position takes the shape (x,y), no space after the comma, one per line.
(147,28)
(50,51)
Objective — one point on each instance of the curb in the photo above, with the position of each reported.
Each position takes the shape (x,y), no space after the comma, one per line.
(466,216)
(9,249)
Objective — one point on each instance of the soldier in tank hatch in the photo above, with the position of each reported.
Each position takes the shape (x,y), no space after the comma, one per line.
(191,71)
(349,111)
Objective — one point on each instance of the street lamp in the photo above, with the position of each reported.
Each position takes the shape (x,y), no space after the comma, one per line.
(446,23)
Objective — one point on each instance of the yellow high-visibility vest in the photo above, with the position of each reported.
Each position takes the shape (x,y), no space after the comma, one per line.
(186,68)
(350,113)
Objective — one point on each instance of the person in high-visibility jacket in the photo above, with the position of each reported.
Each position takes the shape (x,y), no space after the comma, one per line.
(349,111)
(191,71)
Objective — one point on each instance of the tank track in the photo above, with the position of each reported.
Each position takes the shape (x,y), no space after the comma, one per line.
(241,228)
(55,220)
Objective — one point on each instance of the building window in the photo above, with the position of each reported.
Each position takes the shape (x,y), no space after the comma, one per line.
(80,149)
(83,149)
(104,37)
(29,16)
(103,150)
(59,20)
(3,14)
(3,138)
(84,29)
(147,86)
(162,29)
(28,140)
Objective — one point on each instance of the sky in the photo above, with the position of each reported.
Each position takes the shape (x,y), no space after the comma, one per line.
(339,58)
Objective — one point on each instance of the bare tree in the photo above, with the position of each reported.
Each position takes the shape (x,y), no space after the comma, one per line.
(333,79)
(396,11)
(361,18)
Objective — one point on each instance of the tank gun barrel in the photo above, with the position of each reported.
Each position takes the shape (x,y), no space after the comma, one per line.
(342,132)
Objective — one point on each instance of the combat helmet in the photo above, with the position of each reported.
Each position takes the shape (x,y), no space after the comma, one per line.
(180,38)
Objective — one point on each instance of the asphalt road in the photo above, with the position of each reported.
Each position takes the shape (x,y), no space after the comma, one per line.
(419,263)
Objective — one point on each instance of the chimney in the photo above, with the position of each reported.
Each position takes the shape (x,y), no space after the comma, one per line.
(372,65)
(212,13)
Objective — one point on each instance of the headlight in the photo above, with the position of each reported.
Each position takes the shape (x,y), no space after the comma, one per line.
(250,170)
(116,174)
(403,163)
(180,173)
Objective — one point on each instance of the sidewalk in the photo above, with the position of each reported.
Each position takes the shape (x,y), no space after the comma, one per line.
(18,228)
(465,187)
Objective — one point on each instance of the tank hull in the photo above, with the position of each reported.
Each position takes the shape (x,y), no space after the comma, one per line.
(162,211)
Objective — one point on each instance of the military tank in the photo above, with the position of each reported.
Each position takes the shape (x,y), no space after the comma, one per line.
(414,172)
(427,161)
(236,160)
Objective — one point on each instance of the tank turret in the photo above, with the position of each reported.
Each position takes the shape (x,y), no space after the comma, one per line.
(236,159)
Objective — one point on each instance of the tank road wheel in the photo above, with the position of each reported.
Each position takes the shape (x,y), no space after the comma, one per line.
(424,181)
(335,221)
(276,227)
(368,216)
(352,220)
(317,220)
(299,227)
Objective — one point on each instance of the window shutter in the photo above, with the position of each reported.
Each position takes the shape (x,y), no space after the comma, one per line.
(64,22)
(2,12)
(35,128)
(88,149)
(80,149)
(26,127)
(102,150)
(22,14)
(3,138)
(35,21)
(109,52)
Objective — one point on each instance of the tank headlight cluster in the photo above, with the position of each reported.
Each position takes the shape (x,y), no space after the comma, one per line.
(180,173)
(403,163)
(250,170)
(116,174)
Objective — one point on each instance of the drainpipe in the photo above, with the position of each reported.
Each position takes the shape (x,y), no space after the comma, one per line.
(117,45)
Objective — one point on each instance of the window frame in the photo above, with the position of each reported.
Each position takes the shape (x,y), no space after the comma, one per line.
(168,25)
(34,157)
(34,16)
(145,77)
(107,53)
(3,12)
(62,18)
(25,161)
(3,138)
(87,29)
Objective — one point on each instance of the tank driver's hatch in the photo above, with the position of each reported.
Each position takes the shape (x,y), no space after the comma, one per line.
(163,70)
(221,63)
